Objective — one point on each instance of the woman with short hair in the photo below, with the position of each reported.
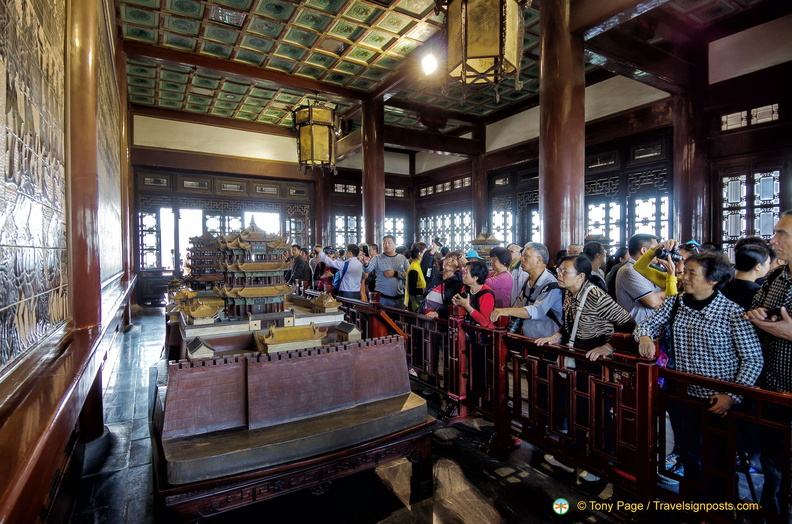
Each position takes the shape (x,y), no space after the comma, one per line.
(476,296)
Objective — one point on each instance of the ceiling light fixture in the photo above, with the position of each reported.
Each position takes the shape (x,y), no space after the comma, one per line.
(317,128)
(485,39)
(429,63)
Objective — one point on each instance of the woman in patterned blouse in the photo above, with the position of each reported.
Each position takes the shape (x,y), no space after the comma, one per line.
(710,338)
(599,313)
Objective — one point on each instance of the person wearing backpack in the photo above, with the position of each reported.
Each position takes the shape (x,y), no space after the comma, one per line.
(346,281)
(475,296)
(537,300)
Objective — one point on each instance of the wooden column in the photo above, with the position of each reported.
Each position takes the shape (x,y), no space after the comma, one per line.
(480,187)
(83,188)
(128,222)
(321,207)
(374,169)
(692,197)
(85,285)
(562,129)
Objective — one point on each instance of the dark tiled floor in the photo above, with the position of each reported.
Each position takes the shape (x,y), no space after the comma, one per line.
(470,487)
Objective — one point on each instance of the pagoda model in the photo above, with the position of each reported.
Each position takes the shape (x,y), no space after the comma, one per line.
(202,262)
(254,267)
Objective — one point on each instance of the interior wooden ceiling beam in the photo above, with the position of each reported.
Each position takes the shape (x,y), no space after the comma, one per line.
(595,17)
(214,121)
(629,56)
(411,140)
(136,50)
(423,109)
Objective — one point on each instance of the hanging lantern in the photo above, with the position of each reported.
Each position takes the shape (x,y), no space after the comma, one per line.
(316,127)
(485,39)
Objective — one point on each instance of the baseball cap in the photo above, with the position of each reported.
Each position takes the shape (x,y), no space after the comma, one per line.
(472,254)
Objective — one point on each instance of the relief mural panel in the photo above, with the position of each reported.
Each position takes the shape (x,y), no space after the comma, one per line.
(33,269)
(111,258)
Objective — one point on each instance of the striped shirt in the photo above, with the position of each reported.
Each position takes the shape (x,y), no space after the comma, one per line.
(776,291)
(714,342)
(389,287)
(599,316)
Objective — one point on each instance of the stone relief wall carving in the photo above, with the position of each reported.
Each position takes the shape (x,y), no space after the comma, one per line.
(111,256)
(33,257)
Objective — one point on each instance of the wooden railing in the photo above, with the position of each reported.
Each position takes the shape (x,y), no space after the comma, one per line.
(606,417)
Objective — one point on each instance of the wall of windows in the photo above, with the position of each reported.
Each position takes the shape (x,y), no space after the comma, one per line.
(351,229)
(454,230)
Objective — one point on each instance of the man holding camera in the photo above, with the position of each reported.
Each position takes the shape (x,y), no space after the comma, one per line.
(634,292)
(538,303)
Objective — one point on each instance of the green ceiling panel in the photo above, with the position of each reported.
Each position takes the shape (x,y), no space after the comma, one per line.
(321,59)
(200,100)
(221,34)
(391,119)
(276,9)
(196,108)
(215,49)
(362,83)
(373,73)
(337,78)
(139,16)
(155,4)
(141,82)
(312,20)
(423,32)
(363,13)
(395,23)
(378,40)
(310,71)
(173,76)
(239,5)
(255,102)
(141,99)
(169,95)
(221,112)
(250,109)
(332,7)
(388,62)
(348,67)
(346,30)
(286,98)
(226,104)
(291,52)
(184,43)
(169,103)
(142,91)
(269,120)
(247,116)
(264,27)
(233,87)
(259,92)
(419,8)
(182,25)
(256,43)
(138,70)
(280,64)
(300,37)
(172,86)
(404,47)
(188,8)
(361,54)
(207,83)
(250,57)
(275,112)
(142,34)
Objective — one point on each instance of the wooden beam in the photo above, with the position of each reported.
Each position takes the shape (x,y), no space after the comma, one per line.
(183,160)
(629,56)
(432,142)
(595,17)
(211,120)
(350,145)
(136,50)
(423,109)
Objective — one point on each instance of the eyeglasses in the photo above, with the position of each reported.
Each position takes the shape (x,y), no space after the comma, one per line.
(567,272)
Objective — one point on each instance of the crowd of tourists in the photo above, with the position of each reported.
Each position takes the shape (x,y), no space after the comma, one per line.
(718,318)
